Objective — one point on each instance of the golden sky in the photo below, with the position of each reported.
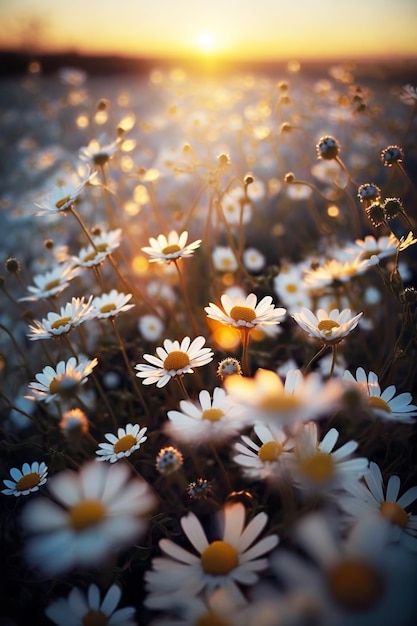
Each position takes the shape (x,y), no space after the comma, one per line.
(243,29)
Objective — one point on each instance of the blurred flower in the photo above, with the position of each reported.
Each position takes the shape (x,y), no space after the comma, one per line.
(333,271)
(27,480)
(71,315)
(99,151)
(62,382)
(370,246)
(104,245)
(385,405)
(168,460)
(175,359)
(369,498)
(110,304)
(253,260)
(150,327)
(409,95)
(74,422)
(128,440)
(94,512)
(210,420)
(62,197)
(224,563)
(302,398)
(224,259)
(167,249)
(82,607)
(327,148)
(330,327)
(245,313)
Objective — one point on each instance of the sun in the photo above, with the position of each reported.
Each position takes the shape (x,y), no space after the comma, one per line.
(206,42)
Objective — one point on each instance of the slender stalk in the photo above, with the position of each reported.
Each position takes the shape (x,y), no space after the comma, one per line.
(186,299)
(244,334)
(315,357)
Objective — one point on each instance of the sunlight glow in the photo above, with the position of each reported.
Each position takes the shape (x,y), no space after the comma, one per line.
(206,42)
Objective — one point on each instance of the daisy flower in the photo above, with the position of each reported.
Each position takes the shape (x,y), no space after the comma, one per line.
(264,461)
(355,581)
(224,259)
(253,260)
(62,382)
(317,465)
(52,282)
(175,359)
(110,304)
(27,480)
(385,404)
(150,327)
(212,419)
(370,246)
(409,95)
(227,562)
(74,422)
(335,271)
(167,249)
(62,197)
(99,151)
(245,312)
(128,440)
(329,327)
(82,607)
(104,245)
(94,512)
(301,398)
(364,499)
(289,286)
(71,315)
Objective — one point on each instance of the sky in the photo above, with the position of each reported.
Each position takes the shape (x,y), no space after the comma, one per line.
(236,29)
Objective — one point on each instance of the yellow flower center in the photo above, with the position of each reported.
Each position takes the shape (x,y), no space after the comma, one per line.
(106,308)
(219,558)
(62,202)
(369,253)
(318,467)
(95,618)
(279,402)
(86,513)
(291,288)
(171,249)
(379,403)
(125,443)
(62,321)
(270,451)
(244,313)
(327,326)
(394,513)
(209,619)
(63,384)
(176,360)
(354,585)
(101,247)
(28,481)
(52,284)
(213,415)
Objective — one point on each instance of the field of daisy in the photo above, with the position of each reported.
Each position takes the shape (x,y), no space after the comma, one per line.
(208,349)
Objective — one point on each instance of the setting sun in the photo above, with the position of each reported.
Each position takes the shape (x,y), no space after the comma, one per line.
(206,42)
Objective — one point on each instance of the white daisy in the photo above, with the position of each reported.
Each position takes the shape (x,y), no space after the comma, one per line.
(267,460)
(330,327)
(62,382)
(52,282)
(62,197)
(94,512)
(253,260)
(167,249)
(245,312)
(409,95)
(175,359)
(385,404)
(224,259)
(356,581)
(27,480)
(368,498)
(104,245)
(150,327)
(334,271)
(212,419)
(227,562)
(99,151)
(289,286)
(301,398)
(86,607)
(110,304)
(72,314)
(128,440)
(370,246)
(318,466)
